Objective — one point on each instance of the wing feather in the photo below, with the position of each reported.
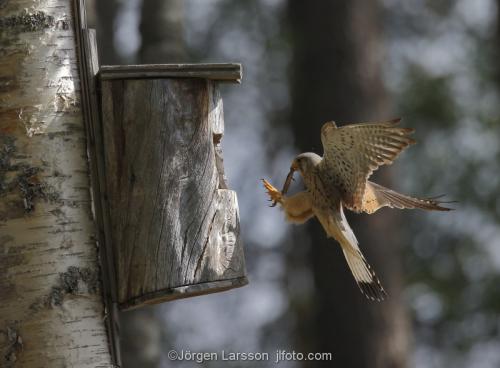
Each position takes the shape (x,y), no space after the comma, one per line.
(353,152)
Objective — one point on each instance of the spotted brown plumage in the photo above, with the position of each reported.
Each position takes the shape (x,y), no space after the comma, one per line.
(353,152)
(340,179)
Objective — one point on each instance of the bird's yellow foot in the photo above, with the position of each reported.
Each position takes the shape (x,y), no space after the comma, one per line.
(274,194)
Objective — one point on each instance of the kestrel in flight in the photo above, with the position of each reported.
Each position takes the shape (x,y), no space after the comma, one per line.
(340,179)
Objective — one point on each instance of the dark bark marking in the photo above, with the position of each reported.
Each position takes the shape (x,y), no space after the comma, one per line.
(14,346)
(29,22)
(74,281)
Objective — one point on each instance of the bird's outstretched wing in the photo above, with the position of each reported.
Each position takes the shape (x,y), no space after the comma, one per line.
(376,196)
(353,152)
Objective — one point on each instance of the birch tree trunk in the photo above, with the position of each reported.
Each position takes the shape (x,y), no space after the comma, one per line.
(51,310)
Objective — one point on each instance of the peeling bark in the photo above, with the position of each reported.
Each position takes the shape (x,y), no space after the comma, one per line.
(51,314)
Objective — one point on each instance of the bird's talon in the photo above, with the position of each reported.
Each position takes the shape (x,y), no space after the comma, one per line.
(274,194)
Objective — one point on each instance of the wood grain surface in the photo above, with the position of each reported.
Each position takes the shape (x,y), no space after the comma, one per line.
(174,224)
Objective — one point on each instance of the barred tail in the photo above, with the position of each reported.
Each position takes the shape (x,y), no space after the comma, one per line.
(365,277)
(389,197)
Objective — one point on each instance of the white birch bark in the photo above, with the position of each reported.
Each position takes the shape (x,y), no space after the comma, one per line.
(51,308)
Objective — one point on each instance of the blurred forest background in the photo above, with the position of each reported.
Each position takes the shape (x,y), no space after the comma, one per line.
(436,64)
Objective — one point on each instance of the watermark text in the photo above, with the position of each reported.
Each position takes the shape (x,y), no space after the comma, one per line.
(224,355)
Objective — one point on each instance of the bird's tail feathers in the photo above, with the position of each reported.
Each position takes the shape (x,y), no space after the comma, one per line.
(398,200)
(365,277)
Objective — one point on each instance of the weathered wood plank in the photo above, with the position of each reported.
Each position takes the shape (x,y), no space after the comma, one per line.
(173,225)
(90,103)
(224,72)
(89,68)
(186,291)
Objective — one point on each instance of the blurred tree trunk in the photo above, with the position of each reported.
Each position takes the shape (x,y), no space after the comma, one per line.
(496,39)
(105,24)
(141,338)
(51,309)
(162,32)
(336,75)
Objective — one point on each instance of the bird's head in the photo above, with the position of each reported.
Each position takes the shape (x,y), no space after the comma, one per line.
(305,162)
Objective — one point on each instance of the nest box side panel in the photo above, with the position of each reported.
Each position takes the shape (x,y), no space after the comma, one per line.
(174,226)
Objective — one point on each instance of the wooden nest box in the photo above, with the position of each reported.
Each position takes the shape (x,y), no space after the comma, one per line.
(170,221)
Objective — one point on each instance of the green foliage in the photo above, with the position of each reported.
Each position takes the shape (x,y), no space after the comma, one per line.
(453,263)
(420,94)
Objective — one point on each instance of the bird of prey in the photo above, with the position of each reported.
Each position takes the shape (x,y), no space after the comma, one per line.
(340,179)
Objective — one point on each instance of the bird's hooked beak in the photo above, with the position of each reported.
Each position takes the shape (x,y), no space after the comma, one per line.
(288,180)
(289,177)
